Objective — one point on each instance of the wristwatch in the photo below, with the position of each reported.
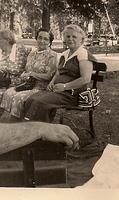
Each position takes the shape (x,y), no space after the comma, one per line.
(64,86)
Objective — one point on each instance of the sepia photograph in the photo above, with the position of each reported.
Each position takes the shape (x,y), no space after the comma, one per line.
(59,76)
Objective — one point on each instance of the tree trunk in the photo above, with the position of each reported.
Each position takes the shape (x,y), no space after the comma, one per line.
(46,14)
(12,20)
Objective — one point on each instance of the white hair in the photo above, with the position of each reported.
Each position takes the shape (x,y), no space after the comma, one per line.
(75,28)
(7,35)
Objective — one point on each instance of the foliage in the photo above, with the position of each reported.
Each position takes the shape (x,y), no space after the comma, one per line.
(113,9)
(36,12)
(57,6)
(31,8)
(87,8)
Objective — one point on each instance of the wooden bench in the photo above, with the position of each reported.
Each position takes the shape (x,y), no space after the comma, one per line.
(91,96)
(30,175)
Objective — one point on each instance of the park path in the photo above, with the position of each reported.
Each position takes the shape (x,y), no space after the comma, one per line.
(111,60)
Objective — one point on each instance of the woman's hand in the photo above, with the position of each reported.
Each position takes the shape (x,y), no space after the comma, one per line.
(25,75)
(58,87)
(34,74)
(50,86)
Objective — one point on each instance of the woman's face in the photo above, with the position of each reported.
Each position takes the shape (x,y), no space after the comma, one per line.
(43,40)
(73,39)
(5,46)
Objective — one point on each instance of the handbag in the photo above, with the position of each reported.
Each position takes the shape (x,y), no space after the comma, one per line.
(5,79)
(89,98)
(27,85)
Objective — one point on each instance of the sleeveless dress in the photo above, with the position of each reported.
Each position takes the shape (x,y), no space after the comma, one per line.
(40,107)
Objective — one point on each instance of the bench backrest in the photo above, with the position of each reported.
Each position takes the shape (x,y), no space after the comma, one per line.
(98,73)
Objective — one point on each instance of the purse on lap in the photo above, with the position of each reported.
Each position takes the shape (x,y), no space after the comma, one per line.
(89,98)
(27,85)
(5,79)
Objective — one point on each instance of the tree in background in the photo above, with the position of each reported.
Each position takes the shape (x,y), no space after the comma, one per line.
(30,9)
(71,11)
(87,8)
(113,10)
(37,12)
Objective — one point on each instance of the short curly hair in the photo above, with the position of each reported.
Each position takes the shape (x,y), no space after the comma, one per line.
(51,36)
(75,28)
(7,35)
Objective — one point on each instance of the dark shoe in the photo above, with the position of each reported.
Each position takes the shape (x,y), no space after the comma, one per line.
(27,85)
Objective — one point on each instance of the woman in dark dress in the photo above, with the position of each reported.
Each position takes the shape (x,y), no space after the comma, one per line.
(73,76)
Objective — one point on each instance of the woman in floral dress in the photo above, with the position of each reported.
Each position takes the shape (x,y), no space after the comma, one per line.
(41,64)
(12,60)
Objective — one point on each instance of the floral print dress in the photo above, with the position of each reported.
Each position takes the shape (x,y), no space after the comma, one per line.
(39,62)
(14,67)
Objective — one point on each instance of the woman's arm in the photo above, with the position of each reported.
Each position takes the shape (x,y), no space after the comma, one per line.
(51,84)
(86,68)
(44,76)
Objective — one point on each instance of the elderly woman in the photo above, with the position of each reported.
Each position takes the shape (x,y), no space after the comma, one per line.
(73,75)
(12,56)
(41,65)
(15,135)
(12,60)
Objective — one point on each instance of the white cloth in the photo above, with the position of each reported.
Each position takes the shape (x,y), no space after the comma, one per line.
(106,170)
(12,55)
(81,54)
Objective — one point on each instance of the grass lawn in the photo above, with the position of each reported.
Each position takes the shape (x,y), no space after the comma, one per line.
(106,123)
(106,114)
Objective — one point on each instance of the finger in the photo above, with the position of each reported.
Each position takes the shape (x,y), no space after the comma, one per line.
(73,136)
(76,146)
(49,88)
(68,142)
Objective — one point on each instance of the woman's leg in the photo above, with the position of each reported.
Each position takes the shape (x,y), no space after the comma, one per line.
(41,107)
(18,102)
(7,99)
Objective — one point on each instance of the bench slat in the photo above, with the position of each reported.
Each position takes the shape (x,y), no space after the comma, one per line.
(99,66)
(43,176)
(42,150)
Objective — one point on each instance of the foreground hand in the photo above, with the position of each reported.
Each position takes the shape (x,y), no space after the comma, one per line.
(50,86)
(58,87)
(15,135)
(60,133)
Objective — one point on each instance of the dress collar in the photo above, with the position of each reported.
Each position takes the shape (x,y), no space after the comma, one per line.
(66,53)
(43,51)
